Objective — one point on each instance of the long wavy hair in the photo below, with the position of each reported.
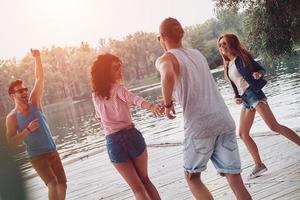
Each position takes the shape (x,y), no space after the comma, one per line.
(237,49)
(102,75)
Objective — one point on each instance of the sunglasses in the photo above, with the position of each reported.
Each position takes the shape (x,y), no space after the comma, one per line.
(222,44)
(21,90)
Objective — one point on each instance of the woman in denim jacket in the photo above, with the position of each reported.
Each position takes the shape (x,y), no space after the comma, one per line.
(246,78)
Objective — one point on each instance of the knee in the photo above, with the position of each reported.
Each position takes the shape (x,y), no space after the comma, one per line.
(138,189)
(145,180)
(53,183)
(63,185)
(275,127)
(192,177)
(244,135)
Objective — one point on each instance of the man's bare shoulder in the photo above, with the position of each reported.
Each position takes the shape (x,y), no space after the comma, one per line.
(166,57)
(11,116)
(11,124)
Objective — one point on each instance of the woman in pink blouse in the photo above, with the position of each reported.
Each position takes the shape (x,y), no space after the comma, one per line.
(125,144)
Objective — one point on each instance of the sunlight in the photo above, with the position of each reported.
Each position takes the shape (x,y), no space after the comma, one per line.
(62,10)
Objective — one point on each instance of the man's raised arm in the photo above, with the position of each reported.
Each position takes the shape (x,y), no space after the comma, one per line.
(38,89)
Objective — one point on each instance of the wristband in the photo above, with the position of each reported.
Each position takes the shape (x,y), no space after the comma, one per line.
(28,129)
(169,105)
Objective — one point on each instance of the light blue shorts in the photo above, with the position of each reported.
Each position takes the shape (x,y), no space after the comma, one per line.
(251,99)
(222,150)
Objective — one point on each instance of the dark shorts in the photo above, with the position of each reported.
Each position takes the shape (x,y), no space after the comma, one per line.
(125,145)
(252,98)
(49,167)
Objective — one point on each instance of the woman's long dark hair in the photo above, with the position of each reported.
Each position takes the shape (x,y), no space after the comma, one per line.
(237,49)
(101,75)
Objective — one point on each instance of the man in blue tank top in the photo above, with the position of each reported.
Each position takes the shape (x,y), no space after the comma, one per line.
(209,130)
(26,123)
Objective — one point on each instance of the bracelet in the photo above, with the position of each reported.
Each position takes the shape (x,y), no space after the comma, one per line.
(169,105)
(28,129)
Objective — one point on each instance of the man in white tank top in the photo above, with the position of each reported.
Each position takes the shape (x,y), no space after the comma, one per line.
(209,130)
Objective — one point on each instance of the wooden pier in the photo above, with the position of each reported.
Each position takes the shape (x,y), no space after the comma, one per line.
(94,178)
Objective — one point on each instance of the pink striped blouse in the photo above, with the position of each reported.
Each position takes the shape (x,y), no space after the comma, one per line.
(113,113)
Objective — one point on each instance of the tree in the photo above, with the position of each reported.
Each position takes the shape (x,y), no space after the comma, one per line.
(273,25)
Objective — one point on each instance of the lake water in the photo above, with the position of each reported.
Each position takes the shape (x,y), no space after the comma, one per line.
(77,133)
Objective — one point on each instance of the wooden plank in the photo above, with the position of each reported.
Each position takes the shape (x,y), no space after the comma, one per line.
(93,177)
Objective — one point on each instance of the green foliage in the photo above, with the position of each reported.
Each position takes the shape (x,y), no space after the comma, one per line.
(138,52)
(273,26)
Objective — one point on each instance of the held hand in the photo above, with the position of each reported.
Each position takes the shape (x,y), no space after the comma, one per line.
(256,75)
(170,112)
(35,53)
(33,125)
(238,100)
(157,110)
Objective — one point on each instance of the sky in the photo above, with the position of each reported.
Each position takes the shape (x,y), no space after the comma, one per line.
(26,24)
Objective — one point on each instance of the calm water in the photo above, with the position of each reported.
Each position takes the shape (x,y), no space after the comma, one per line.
(76,132)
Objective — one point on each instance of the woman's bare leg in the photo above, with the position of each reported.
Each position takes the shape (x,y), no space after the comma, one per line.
(141,164)
(246,121)
(266,113)
(129,173)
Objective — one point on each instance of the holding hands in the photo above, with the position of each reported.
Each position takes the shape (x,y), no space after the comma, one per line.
(170,110)
(161,109)
(157,110)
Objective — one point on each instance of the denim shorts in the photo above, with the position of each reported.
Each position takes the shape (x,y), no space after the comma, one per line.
(252,98)
(222,150)
(125,145)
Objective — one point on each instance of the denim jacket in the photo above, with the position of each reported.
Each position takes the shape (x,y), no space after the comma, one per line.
(255,84)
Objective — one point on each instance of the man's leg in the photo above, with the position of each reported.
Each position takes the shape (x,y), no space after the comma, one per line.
(59,171)
(42,165)
(52,189)
(197,152)
(198,189)
(49,178)
(226,159)
(237,185)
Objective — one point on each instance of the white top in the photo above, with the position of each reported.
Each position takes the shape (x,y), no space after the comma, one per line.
(204,110)
(237,78)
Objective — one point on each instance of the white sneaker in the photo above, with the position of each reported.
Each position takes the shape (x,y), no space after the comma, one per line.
(258,171)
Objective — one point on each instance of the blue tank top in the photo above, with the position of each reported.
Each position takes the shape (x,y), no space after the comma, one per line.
(39,141)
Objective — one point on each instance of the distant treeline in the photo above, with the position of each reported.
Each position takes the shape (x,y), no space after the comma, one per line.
(67,69)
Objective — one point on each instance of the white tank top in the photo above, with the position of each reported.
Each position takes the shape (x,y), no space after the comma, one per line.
(204,111)
(237,78)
